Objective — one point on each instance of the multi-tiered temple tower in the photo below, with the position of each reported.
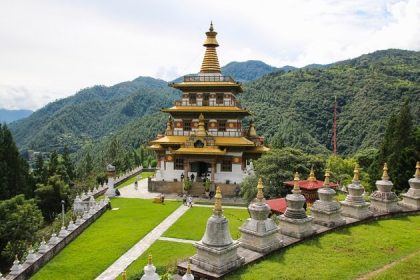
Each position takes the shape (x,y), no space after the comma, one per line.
(204,133)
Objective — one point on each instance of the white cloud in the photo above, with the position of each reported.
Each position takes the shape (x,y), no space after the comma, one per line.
(50,49)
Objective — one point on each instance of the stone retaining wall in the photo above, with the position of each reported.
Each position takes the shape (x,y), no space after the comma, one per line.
(29,269)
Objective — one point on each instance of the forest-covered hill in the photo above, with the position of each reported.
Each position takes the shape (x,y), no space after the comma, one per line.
(91,114)
(293,108)
(297,107)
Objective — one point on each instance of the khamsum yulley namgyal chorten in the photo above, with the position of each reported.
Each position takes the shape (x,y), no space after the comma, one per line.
(204,135)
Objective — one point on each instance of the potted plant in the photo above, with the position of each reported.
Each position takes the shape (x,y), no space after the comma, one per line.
(207,185)
(187,184)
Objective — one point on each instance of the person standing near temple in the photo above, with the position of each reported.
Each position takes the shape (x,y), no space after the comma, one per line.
(189,201)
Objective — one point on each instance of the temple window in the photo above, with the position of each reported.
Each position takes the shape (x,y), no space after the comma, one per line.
(222,125)
(193,98)
(226,165)
(187,125)
(219,98)
(206,97)
(179,164)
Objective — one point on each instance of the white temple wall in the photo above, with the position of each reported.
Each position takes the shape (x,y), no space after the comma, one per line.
(237,175)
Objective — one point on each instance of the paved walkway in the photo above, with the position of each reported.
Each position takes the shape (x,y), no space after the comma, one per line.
(140,247)
(141,192)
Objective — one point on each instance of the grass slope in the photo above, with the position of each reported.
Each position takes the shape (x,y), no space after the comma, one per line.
(406,269)
(106,239)
(344,254)
(193,223)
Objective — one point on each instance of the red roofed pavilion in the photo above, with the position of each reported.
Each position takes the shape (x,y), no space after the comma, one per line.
(310,187)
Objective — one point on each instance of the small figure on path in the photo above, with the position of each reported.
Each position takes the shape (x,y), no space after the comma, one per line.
(192,177)
(184,199)
(136,185)
(162,198)
(117,192)
(189,201)
(237,192)
(182,177)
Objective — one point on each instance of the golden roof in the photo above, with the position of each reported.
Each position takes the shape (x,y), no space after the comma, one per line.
(200,151)
(210,62)
(219,141)
(258,149)
(206,109)
(156,147)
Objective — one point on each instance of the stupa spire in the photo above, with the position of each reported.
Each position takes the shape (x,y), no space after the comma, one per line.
(417,174)
(296,188)
(312,177)
(210,62)
(260,193)
(327,178)
(356,172)
(218,202)
(385,175)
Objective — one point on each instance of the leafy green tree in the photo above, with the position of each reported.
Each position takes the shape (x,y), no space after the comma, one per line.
(249,188)
(40,171)
(400,149)
(53,163)
(68,163)
(20,219)
(14,170)
(88,164)
(279,165)
(50,195)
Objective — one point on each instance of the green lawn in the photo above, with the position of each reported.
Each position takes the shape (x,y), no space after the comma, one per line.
(193,223)
(134,178)
(165,256)
(106,239)
(407,269)
(344,254)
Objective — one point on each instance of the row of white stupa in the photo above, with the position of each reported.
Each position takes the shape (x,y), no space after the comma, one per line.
(217,252)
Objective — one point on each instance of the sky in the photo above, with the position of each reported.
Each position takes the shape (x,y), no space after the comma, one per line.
(52,49)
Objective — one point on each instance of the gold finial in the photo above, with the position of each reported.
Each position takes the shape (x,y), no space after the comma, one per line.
(218,201)
(356,172)
(312,177)
(201,130)
(296,182)
(16,258)
(169,127)
(252,132)
(211,61)
(260,187)
(385,176)
(124,275)
(189,267)
(149,259)
(327,178)
(417,174)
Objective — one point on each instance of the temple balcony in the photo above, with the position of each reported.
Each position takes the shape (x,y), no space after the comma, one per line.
(235,133)
(212,103)
(208,78)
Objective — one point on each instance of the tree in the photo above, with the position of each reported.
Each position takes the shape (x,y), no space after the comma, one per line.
(53,163)
(40,172)
(50,195)
(249,188)
(400,149)
(14,170)
(279,165)
(68,163)
(20,219)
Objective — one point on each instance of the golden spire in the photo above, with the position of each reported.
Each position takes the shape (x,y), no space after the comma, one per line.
(189,267)
(210,62)
(327,178)
(296,182)
(149,259)
(356,171)
(385,176)
(169,128)
(124,275)
(252,132)
(201,131)
(260,193)
(218,202)
(312,177)
(417,174)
